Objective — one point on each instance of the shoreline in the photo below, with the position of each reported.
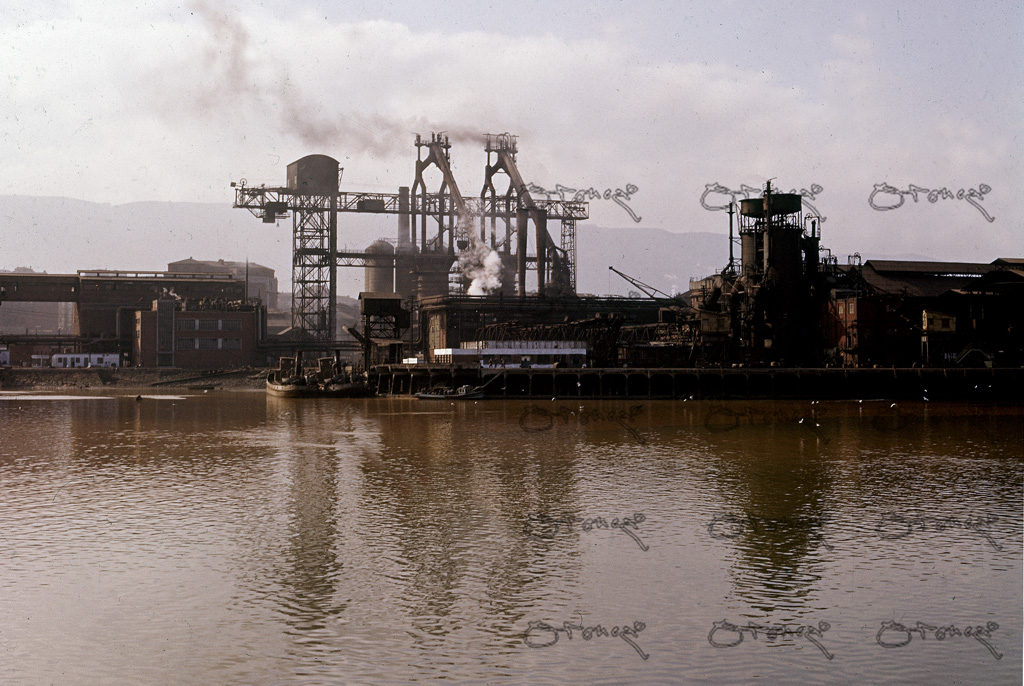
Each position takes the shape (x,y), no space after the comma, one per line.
(33,378)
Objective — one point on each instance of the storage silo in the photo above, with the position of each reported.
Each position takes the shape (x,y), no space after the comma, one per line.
(782,242)
(380,274)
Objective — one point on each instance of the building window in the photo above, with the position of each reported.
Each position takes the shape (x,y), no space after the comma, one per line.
(232,344)
(208,324)
(208,343)
(186,325)
(186,344)
(853,307)
(842,308)
(231,325)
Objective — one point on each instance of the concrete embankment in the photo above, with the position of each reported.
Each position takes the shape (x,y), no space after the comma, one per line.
(63,379)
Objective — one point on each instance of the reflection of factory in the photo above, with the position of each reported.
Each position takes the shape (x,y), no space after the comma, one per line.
(464,270)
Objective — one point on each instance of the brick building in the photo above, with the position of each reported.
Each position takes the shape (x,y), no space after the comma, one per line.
(188,335)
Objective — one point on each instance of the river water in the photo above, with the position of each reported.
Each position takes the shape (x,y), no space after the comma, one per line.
(232,538)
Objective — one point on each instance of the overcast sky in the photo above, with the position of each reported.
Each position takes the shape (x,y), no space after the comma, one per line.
(118,102)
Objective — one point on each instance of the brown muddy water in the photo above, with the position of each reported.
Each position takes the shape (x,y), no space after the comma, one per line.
(232,538)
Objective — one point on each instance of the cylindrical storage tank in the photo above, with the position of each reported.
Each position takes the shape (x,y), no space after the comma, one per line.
(785,203)
(750,249)
(314,175)
(782,203)
(752,207)
(380,275)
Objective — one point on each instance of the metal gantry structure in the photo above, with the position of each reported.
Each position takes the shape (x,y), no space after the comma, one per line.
(314,240)
(314,199)
(501,151)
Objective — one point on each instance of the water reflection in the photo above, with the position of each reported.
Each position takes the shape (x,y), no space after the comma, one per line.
(302,544)
(233,538)
(794,502)
(450,492)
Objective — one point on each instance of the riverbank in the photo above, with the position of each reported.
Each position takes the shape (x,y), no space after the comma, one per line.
(63,379)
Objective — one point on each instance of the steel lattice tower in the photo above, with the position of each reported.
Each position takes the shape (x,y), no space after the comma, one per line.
(569,246)
(314,281)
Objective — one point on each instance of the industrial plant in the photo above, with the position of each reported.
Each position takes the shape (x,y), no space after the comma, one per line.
(481,290)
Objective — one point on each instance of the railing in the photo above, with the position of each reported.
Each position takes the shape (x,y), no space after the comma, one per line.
(110,274)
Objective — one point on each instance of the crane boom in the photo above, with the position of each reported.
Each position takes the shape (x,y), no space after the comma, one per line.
(649,291)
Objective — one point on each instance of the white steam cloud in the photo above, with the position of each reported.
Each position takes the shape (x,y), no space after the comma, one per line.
(481,266)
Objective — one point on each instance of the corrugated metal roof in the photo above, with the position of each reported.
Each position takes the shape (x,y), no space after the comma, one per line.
(920,279)
(934,268)
(1004,276)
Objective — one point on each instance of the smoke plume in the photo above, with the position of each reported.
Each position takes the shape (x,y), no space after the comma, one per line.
(481,266)
(235,78)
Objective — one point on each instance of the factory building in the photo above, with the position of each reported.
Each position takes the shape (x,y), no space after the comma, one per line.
(104,304)
(446,243)
(198,335)
(913,313)
(492,268)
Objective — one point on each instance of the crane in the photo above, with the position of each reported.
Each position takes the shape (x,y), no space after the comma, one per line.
(649,291)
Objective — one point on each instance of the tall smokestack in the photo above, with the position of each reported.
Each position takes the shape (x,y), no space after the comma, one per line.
(404,237)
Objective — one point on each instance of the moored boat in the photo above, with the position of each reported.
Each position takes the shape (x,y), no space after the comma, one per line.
(331,379)
(465,392)
(289,387)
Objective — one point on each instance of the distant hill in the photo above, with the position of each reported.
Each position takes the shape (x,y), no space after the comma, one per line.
(63,235)
(657,257)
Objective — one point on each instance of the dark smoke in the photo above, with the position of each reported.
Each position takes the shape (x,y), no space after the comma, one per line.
(229,78)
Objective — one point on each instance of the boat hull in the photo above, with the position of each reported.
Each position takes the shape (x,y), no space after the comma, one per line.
(282,389)
(463,393)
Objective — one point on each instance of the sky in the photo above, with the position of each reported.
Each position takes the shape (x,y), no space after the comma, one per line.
(903,120)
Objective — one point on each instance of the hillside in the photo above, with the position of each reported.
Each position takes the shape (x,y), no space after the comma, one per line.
(63,235)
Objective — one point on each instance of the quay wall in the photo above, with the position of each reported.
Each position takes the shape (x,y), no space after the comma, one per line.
(833,383)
